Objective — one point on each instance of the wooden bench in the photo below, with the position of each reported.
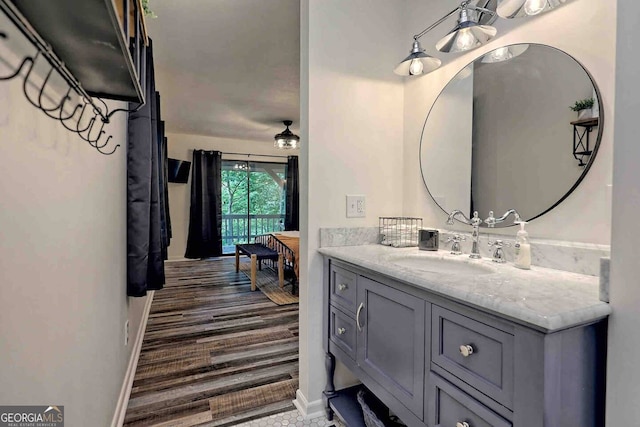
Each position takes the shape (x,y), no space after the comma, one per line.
(258,252)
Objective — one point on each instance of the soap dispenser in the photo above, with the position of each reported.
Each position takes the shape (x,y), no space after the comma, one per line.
(523,248)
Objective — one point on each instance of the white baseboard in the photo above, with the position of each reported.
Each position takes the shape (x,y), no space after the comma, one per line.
(127,384)
(308,410)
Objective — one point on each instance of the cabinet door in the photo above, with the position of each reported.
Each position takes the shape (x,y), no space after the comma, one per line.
(390,344)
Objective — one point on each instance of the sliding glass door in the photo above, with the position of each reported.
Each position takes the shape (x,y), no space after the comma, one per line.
(253,200)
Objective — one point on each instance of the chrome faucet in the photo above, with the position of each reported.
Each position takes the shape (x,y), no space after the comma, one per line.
(475,234)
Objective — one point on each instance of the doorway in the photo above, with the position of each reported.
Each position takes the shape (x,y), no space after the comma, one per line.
(253,200)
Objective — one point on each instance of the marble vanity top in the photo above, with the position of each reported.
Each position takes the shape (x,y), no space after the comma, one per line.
(543,298)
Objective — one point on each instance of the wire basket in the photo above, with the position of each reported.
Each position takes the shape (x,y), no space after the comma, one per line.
(399,231)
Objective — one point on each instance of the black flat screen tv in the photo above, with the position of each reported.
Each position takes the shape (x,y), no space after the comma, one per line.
(179,171)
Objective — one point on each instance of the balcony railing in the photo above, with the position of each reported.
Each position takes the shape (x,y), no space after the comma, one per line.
(242,228)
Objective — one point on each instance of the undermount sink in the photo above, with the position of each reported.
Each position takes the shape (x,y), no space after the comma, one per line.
(435,264)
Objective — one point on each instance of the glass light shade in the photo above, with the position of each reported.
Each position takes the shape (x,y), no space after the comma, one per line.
(286,144)
(417,62)
(522,8)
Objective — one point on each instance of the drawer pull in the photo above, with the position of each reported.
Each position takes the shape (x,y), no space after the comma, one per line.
(341,331)
(466,351)
(358,316)
(342,287)
(463,424)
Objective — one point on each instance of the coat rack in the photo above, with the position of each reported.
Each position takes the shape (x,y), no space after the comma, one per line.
(76,110)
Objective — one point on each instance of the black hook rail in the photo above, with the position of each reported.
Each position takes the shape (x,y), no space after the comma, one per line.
(76,110)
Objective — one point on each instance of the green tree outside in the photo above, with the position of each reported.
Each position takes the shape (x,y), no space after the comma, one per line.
(267,193)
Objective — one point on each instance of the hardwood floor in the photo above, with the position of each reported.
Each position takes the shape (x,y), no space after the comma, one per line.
(214,353)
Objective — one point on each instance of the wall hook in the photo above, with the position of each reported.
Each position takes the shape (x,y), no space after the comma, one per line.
(89,132)
(25,61)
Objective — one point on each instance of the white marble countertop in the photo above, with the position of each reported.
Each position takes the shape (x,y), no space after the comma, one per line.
(543,298)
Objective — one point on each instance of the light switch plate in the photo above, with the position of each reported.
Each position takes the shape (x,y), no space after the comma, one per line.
(356,206)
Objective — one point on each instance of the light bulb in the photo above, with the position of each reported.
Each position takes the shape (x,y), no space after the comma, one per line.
(466,40)
(500,54)
(416,67)
(534,7)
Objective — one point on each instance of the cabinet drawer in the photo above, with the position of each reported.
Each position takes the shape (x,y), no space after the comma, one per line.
(485,362)
(342,331)
(449,407)
(343,288)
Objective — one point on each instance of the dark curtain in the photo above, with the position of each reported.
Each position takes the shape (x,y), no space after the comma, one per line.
(146,182)
(205,220)
(165,218)
(292,215)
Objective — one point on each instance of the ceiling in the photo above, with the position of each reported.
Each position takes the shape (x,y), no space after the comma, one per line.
(227,68)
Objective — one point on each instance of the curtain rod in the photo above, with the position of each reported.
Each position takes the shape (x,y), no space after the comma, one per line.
(255,155)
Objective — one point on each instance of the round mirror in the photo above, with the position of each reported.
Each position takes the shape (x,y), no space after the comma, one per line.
(503,133)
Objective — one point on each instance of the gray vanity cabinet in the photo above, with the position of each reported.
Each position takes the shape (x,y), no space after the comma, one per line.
(390,343)
(438,363)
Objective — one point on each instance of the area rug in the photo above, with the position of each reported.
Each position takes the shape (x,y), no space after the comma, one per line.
(267,282)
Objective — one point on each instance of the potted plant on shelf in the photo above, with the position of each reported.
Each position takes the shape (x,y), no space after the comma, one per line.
(584,108)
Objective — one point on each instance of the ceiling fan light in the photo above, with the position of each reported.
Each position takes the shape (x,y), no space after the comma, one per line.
(286,139)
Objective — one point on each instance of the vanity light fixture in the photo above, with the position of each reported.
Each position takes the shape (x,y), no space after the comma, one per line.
(467,34)
(522,8)
(286,139)
(417,62)
(504,53)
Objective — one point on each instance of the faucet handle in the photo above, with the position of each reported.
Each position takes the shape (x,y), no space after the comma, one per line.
(455,246)
(476,221)
(498,253)
(491,221)
(498,243)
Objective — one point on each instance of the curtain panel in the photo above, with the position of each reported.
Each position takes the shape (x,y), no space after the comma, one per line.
(146,183)
(205,218)
(292,214)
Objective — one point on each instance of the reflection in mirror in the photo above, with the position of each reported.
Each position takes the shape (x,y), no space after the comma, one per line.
(501,134)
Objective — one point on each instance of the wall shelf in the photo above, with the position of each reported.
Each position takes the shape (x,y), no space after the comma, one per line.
(89,38)
(581,130)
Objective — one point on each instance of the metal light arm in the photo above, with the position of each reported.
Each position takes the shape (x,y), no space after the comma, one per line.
(464,4)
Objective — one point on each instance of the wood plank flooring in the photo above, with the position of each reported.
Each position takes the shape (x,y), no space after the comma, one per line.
(214,353)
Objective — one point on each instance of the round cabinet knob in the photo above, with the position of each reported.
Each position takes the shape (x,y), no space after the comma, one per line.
(466,351)
(463,424)
(342,287)
(341,331)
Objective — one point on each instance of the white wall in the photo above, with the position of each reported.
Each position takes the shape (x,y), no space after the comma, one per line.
(351,131)
(582,28)
(623,374)
(181,146)
(63,301)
